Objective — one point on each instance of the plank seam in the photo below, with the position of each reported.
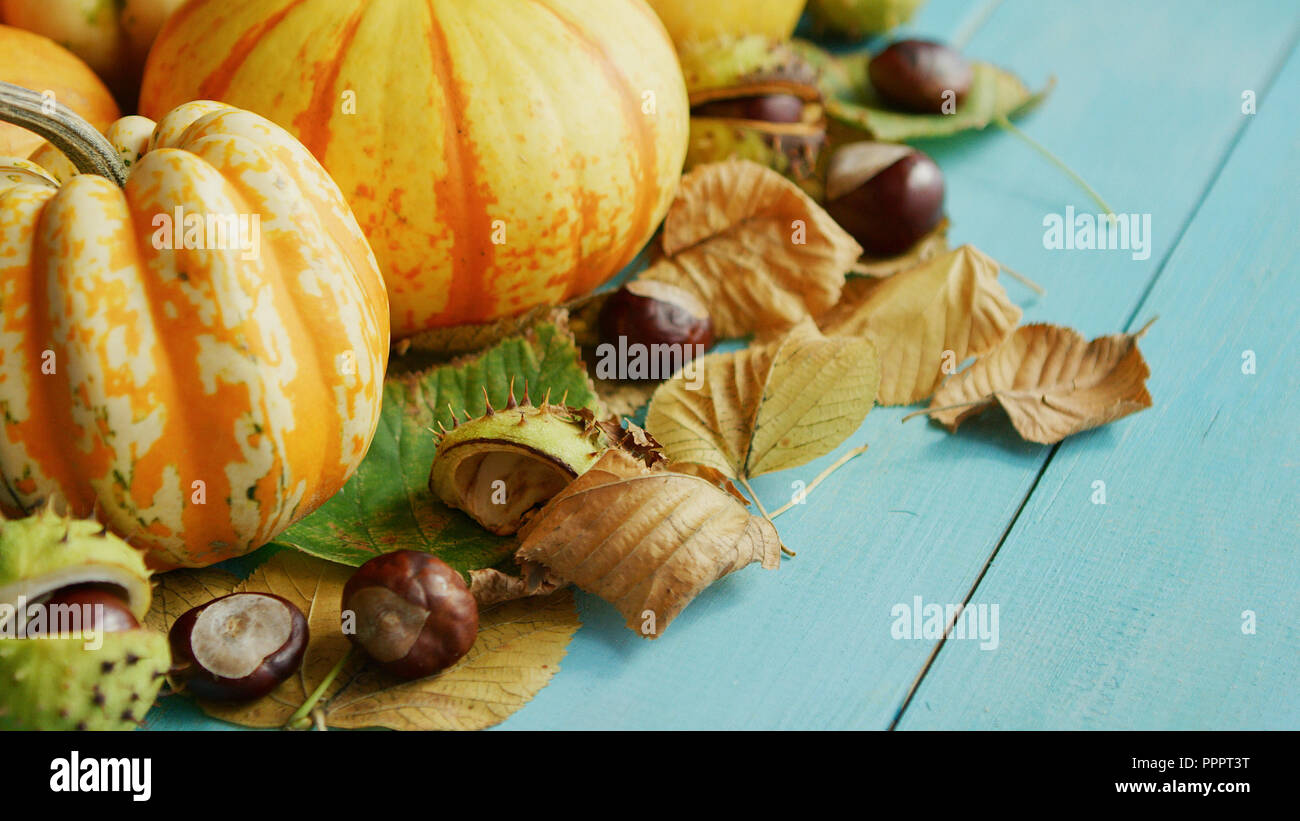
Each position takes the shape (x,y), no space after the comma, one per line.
(1211,182)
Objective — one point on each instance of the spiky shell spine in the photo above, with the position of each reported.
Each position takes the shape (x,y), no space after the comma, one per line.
(66,683)
(59,684)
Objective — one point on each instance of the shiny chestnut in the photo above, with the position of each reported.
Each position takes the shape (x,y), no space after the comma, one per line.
(410,612)
(766,108)
(108,611)
(238,647)
(650,312)
(886,196)
(921,76)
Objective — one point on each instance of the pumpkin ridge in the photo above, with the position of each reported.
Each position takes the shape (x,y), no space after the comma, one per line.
(47,410)
(647,159)
(216,84)
(313,123)
(471,237)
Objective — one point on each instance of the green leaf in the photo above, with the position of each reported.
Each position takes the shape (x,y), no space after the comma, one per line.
(851,100)
(387,505)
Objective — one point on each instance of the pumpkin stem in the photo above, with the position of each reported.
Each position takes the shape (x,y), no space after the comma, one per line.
(85,147)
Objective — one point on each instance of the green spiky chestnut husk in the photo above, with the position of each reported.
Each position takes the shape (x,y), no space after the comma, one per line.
(535,450)
(58,683)
(793,153)
(739,68)
(856,19)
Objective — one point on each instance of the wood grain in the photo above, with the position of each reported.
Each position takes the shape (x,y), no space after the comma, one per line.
(1134,614)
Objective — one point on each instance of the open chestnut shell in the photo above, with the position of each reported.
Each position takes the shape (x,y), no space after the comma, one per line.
(414,616)
(238,647)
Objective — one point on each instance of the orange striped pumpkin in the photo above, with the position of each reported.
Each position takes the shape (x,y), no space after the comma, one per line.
(500,154)
(199,398)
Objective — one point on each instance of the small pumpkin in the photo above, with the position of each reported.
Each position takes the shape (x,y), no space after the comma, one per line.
(195,330)
(37,62)
(499,155)
(112,36)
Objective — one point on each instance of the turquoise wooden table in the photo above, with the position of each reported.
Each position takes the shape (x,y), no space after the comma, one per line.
(1175,603)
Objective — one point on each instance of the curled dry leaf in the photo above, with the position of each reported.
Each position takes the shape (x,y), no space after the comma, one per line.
(1051,382)
(768,407)
(645,539)
(925,318)
(754,247)
(518,650)
(493,585)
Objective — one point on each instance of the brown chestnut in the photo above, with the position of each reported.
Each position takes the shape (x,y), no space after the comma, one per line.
(108,611)
(767,108)
(410,612)
(887,196)
(650,312)
(921,76)
(238,647)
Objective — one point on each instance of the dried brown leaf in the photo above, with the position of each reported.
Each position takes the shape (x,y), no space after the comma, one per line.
(646,540)
(1051,382)
(711,475)
(767,407)
(754,247)
(926,318)
(492,585)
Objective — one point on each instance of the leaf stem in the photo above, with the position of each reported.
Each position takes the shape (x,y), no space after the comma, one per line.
(296,720)
(759,502)
(1140,332)
(839,463)
(1006,125)
(1024,280)
(924,411)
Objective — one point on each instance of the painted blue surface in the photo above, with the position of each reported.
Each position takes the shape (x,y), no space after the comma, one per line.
(1116,615)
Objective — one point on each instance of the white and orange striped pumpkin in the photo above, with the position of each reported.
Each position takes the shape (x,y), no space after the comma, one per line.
(198,400)
(500,154)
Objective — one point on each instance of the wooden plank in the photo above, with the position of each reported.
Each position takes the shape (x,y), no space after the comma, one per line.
(1135,613)
(810,645)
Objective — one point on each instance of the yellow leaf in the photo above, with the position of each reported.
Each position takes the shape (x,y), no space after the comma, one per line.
(646,540)
(754,247)
(1051,382)
(768,407)
(927,320)
(518,650)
